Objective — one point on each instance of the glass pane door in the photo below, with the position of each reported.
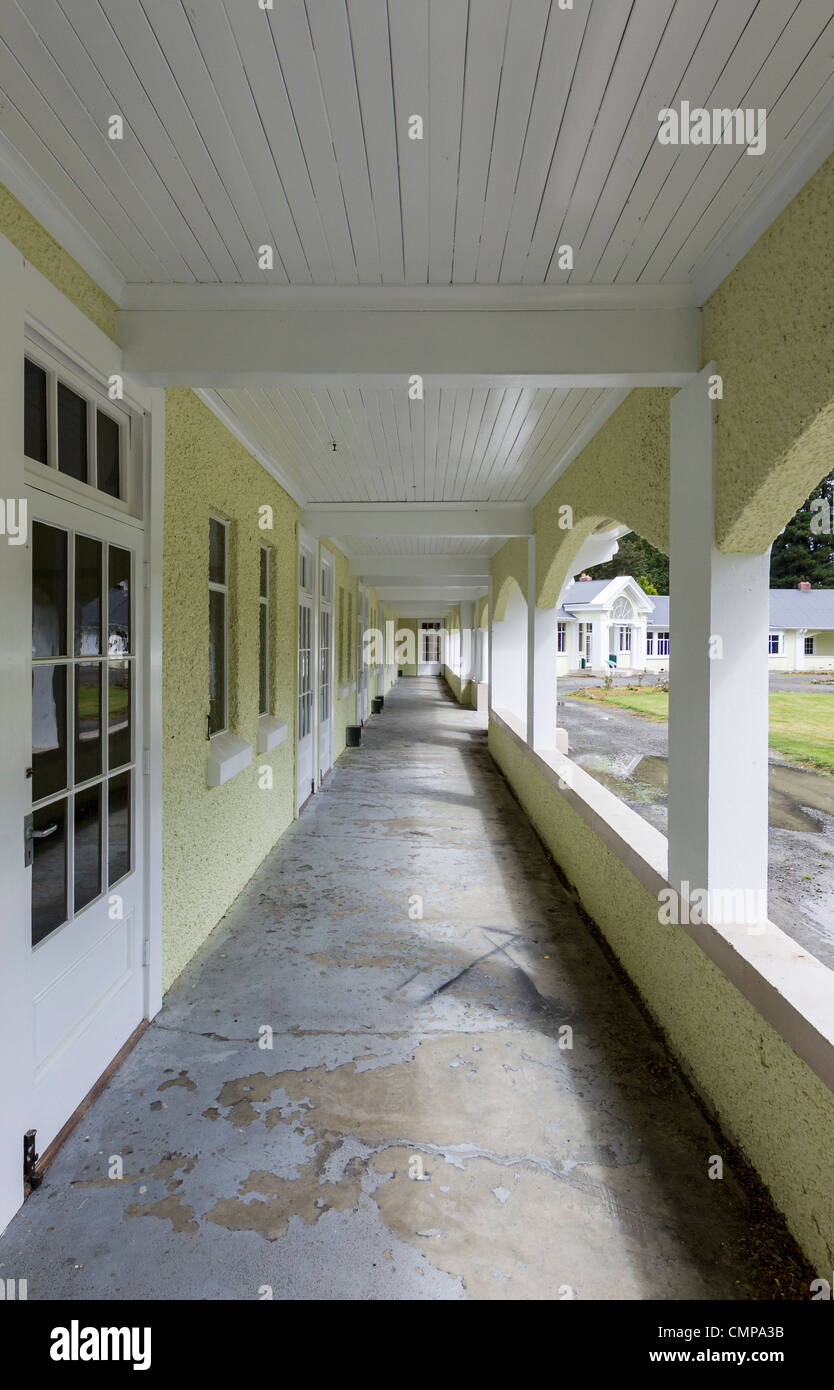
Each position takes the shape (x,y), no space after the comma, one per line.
(83,755)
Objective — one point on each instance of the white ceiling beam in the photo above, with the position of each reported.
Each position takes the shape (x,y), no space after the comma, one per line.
(485,519)
(393,580)
(376,297)
(433,567)
(424,596)
(429,609)
(621,346)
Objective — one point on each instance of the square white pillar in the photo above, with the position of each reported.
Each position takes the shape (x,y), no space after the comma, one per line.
(489,644)
(718,707)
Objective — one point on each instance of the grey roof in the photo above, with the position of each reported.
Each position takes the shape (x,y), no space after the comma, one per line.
(789,608)
(802,608)
(586,590)
(660,616)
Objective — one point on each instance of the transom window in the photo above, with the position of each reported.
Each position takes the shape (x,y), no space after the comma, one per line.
(622,610)
(75,429)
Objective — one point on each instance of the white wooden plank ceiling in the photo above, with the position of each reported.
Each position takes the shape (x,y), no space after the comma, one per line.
(289,127)
(456,445)
(246,126)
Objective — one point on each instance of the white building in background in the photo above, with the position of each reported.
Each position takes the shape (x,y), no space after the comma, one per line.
(605,623)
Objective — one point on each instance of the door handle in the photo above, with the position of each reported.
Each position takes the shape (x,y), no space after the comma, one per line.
(30,834)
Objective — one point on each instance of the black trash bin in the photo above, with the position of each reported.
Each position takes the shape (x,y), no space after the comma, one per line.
(353,735)
(377,703)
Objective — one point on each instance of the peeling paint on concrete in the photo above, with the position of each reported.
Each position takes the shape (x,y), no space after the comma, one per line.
(416,1130)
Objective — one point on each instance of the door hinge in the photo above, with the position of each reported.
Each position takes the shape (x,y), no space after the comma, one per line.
(146,761)
(146,574)
(146,951)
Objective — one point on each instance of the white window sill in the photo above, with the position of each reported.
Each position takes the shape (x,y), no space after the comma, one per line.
(271,732)
(227,756)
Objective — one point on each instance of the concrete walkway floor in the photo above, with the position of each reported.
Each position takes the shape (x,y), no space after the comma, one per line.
(419,1128)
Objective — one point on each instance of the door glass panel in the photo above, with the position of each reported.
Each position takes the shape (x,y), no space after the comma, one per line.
(87,720)
(87,845)
(34,413)
(118,827)
(49,591)
(72,433)
(118,713)
(49,730)
(49,870)
(118,601)
(87,596)
(107,455)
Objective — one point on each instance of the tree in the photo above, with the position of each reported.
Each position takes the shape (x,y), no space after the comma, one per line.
(636,557)
(805,548)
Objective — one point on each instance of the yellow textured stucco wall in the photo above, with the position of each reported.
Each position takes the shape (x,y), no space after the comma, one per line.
(57,265)
(769,327)
(408,668)
(765,1097)
(214,838)
(622,475)
(508,563)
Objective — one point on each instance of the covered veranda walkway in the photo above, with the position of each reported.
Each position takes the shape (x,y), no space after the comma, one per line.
(460,1099)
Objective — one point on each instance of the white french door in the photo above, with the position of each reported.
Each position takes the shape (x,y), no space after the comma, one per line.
(428,649)
(326,670)
(84,838)
(306,715)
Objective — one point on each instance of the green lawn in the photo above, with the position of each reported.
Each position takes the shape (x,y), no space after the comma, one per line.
(801,724)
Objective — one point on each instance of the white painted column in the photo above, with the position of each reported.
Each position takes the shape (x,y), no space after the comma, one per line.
(531,640)
(16,1043)
(490,657)
(638,645)
(544,684)
(718,717)
(468,653)
(600,639)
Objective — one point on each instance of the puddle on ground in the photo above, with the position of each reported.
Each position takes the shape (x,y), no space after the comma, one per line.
(794,792)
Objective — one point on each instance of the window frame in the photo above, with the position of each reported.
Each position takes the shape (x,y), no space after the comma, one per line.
(779,639)
(662,643)
(215,587)
(265,696)
(809,644)
(561,638)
